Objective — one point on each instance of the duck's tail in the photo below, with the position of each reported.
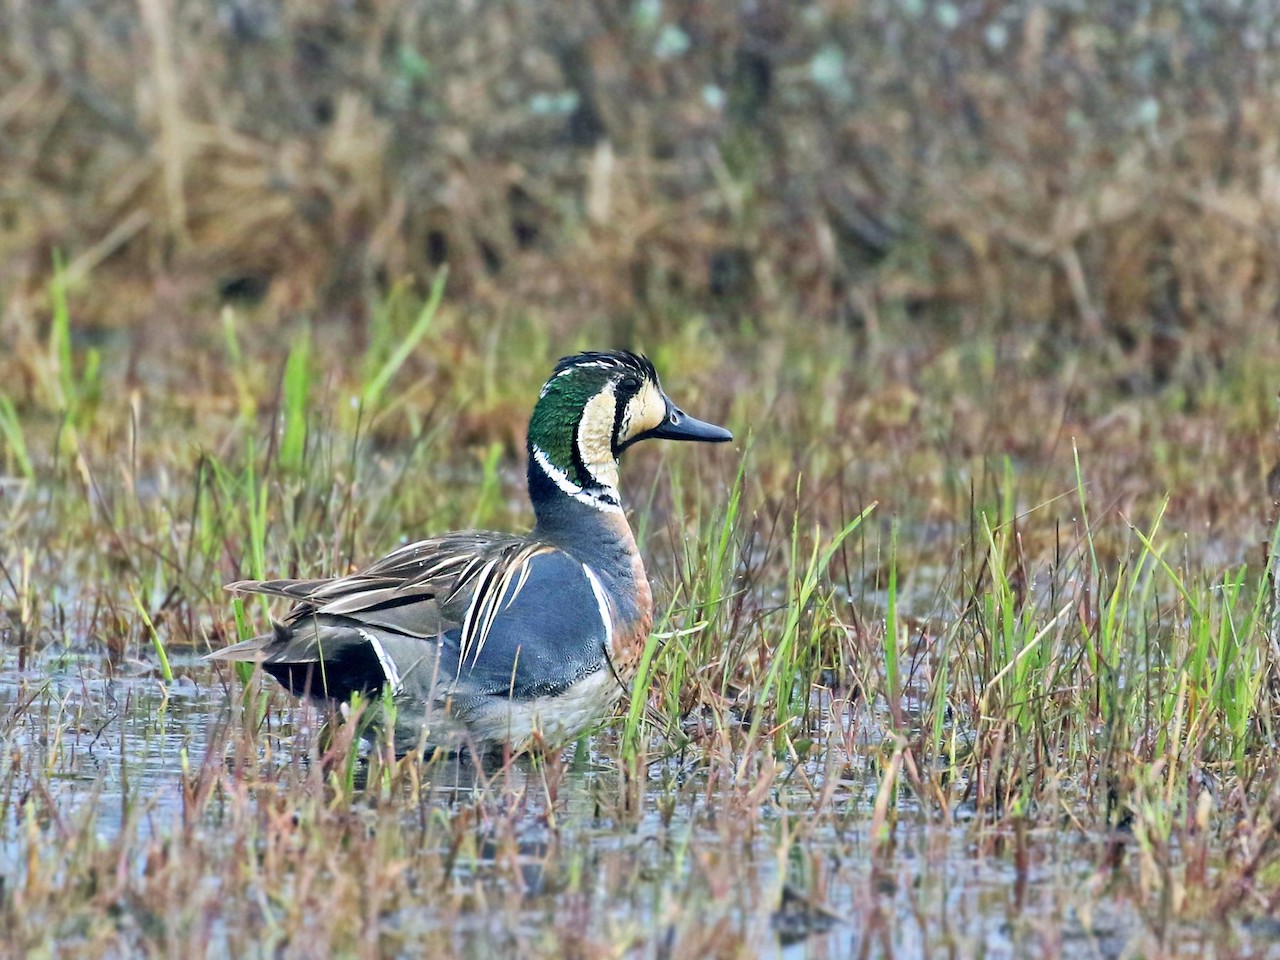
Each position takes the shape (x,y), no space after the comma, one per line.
(255,648)
(248,650)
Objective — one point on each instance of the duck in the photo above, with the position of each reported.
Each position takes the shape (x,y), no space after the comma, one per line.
(481,640)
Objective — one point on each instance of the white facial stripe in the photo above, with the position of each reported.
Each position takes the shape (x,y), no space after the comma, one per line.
(573,369)
(603,603)
(547,386)
(561,480)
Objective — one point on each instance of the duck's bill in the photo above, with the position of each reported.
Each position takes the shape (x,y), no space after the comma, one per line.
(680,426)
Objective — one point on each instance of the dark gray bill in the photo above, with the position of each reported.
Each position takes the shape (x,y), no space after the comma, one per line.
(680,426)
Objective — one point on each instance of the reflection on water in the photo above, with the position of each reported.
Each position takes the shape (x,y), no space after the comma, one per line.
(101,736)
(773,879)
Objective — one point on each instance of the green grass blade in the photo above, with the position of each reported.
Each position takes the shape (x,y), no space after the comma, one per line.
(374,388)
(166,671)
(15,441)
(296,388)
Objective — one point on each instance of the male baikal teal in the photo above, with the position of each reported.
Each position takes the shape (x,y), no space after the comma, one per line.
(480,638)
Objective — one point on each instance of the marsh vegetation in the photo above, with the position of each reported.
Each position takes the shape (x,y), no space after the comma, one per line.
(968,645)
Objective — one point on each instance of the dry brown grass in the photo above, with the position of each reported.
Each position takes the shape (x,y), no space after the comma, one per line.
(1108,177)
(912,261)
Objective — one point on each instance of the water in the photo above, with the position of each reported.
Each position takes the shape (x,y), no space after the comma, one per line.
(707,866)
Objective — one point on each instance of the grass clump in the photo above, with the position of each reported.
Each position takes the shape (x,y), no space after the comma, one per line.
(974,642)
(1035,656)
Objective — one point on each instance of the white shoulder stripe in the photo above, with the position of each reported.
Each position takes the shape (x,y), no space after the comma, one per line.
(525,569)
(470,630)
(603,603)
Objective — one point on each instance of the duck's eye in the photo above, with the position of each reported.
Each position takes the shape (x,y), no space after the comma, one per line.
(629,384)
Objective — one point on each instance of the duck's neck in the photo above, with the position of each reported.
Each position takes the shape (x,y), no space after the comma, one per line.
(588,523)
(571,514)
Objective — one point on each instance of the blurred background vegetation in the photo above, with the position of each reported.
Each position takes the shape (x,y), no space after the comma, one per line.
(898,240)
(1065,173)
(1008,270)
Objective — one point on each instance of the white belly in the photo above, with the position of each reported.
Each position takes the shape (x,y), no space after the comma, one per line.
(557,719)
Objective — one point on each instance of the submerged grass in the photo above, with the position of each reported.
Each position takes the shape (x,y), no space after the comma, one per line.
(971,646)
(837,703)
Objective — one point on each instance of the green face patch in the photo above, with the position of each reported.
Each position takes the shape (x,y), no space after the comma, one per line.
(553,429)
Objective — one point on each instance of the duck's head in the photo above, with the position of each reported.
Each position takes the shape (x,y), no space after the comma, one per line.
(595,406)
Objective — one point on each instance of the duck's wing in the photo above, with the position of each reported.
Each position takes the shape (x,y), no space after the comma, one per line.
(422,589)
(476,613)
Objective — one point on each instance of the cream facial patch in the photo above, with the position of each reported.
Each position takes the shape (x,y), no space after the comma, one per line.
(595,438)
(646,410)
